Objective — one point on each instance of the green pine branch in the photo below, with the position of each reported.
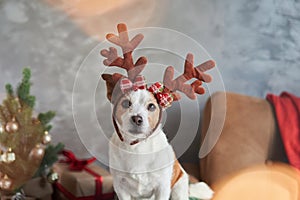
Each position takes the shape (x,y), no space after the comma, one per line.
(45,118)
(9,89)
(23,90)
(50,157)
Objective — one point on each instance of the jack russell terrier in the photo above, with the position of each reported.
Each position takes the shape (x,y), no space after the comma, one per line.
(142,162)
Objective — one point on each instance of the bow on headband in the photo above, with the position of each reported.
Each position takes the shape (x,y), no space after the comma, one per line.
(164,99)
(126,85)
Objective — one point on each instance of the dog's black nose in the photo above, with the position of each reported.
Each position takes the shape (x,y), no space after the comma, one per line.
(138,120)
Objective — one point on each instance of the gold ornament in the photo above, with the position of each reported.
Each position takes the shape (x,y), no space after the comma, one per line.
(12,126)
(5,183)
(19,104)
(46,138)
(52,177)
(9,156)
(1,129)
(37,152)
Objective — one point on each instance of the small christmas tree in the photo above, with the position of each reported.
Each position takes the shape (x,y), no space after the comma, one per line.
(24,139)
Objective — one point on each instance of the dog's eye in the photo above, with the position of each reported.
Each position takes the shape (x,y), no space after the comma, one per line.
(126,103)
(151,107)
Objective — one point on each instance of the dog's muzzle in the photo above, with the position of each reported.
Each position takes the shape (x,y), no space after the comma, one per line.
(137,120)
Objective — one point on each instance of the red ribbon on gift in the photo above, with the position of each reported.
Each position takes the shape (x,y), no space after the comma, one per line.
(74,163)
(79,165)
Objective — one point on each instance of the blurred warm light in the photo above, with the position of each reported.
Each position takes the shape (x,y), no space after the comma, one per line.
(87,8)
(271,181)
(97,17)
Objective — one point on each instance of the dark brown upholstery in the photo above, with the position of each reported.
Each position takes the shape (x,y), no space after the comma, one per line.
(249,136)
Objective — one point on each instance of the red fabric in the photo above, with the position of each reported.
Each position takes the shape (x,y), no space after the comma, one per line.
(287,110)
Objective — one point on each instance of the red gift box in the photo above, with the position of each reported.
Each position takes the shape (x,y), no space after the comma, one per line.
(80,180)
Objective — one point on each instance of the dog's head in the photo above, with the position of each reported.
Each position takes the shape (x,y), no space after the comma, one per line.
(137,113)
(137,109)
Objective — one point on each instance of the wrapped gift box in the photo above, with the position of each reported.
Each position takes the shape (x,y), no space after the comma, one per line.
(92,182)
(38,188)
(35,189)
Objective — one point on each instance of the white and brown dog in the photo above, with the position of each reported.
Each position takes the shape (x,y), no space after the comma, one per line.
(142,162)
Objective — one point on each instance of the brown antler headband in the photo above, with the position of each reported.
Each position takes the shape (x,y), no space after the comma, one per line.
(165,93)
(190,72)
(112,58)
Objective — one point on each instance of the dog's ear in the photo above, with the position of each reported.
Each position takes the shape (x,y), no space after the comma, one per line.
(113,91)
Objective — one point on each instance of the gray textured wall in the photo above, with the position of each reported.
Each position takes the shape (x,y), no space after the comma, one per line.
(256,45)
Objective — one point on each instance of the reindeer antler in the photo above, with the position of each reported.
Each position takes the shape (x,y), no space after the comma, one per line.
(190,72)
(134,69)
(127,46)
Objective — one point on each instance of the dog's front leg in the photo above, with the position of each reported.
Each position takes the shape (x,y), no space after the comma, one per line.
(123,195)
(119,187)
(163,193)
